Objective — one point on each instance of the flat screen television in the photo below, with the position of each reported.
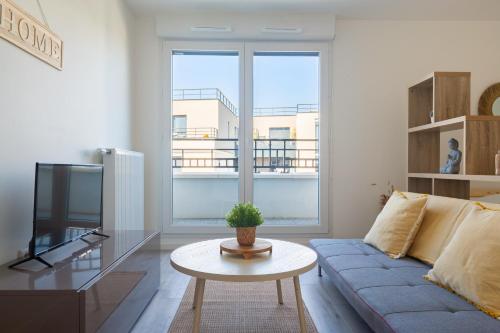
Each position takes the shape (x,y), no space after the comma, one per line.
(68,204)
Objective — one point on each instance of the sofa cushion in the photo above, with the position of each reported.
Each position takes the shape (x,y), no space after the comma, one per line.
(470,264)
(392,295)
(397,224)
(441,322)
(442,216)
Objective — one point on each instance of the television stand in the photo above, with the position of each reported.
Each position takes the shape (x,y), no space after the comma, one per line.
(101,288)
(39,259)
(92,233)
(46,263)
(99,234)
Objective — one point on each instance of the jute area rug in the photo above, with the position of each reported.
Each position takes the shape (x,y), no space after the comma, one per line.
(230,307)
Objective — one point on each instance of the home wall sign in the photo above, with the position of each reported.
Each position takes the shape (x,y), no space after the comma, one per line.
(29,34)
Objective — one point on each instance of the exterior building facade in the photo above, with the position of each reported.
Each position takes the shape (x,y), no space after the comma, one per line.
(205,127)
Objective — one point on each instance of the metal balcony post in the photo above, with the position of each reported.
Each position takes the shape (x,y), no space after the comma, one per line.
(255,156)
(284,155)
(263,154)
(270,153)
(277,158)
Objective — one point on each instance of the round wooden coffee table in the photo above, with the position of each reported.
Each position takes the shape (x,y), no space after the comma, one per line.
(204,261)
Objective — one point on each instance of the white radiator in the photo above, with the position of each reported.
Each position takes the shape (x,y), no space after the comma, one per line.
(123,192)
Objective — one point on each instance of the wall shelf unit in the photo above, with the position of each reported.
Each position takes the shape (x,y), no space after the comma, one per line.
(447,94)
(440,126)
(478,178)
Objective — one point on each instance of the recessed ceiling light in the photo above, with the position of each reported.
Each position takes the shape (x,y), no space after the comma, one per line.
(282,30)
(211,29)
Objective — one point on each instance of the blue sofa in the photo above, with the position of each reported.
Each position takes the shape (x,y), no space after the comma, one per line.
(391,295)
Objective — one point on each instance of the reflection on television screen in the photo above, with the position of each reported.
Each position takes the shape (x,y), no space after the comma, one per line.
(67,203)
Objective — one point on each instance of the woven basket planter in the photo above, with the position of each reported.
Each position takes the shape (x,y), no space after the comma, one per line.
(246,236)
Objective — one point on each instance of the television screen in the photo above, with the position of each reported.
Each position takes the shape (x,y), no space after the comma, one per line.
(68,204)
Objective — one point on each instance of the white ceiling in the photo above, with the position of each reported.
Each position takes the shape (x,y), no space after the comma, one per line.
(354,9)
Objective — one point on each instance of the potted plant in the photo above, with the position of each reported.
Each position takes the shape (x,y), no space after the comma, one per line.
(245,217)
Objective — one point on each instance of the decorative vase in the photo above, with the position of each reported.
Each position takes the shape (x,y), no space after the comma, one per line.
(497,164)
(246,236)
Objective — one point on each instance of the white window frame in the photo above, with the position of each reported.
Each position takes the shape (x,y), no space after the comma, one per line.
(246,51)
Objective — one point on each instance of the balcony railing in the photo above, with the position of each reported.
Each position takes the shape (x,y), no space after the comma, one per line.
(215,93)
(204,93)
(197,132)
(285,111)
(269,155)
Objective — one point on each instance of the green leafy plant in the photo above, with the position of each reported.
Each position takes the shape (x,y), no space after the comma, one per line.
(244,215)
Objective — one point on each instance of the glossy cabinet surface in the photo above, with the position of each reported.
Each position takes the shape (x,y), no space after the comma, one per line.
(103,286)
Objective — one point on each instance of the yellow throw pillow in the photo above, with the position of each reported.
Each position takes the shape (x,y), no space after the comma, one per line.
(442,218)
(470,263)
(397,224)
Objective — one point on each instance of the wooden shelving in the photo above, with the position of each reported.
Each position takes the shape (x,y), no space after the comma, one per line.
(457,186)
(478,178)
(450,124)
(441,126)
(420,185)
(481,141)
(448,94)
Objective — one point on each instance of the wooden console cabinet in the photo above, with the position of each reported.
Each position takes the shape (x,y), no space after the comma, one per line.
(99,287)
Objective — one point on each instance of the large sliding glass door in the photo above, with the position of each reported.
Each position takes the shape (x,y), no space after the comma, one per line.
(246,123)
(286,136)
(204,135)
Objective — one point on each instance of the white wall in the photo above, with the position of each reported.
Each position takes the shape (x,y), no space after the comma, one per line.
(147,129)
(374,63)
(48,115)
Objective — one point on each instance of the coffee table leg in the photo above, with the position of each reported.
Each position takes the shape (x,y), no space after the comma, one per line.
(300,304)
(198,302)
(196,290)
(280,294)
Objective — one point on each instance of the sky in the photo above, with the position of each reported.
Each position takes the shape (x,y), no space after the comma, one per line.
(279,81)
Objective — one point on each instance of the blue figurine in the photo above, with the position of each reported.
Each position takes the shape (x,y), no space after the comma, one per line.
(454,158)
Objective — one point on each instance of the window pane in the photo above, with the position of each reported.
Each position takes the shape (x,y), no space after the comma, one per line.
(179,128)
(204,136)
(279,133)
(286,137)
